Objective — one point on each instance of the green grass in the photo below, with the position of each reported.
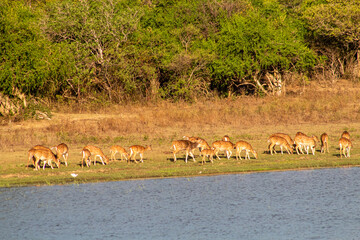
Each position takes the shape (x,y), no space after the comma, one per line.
(159,166)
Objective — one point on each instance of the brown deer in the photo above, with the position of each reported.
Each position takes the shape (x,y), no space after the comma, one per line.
(208,153)
(86,154)
(135,149)
(279,141)
(45,155)
(202,143)
(188,146)
(118,149)
(226,146)
(244,146)
(324,138)
(345,134)
(306,142)
(33,158)
(345,146)
(285,136)
(97,152)
(225,138)
(62,150)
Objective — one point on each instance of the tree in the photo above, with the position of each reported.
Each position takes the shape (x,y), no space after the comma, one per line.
(261,40)
(335,28)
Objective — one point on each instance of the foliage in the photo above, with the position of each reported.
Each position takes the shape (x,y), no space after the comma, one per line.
(122,50)
(334,27)
(260,40)
(29,61)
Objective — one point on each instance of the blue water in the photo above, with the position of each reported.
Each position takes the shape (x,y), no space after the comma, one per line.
(315,204)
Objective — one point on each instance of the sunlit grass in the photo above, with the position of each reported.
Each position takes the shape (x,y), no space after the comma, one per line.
(244,118)
(15,173)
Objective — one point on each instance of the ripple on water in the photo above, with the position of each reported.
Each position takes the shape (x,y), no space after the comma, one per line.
(315,204)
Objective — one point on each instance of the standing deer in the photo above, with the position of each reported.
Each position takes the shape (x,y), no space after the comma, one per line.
(306,142)
(86,154)
(118,149)
(226,146)
(324,138)
(345,146)
(208,153)
(188,146)
(135,149)
(202,143)
(345,134)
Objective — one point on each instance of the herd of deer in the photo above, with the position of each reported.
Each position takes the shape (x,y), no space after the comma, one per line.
(188,144)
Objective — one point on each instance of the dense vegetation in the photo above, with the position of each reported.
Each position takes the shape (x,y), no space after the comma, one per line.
(129,50)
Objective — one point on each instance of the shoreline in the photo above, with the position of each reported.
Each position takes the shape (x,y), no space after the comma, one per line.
(67,179)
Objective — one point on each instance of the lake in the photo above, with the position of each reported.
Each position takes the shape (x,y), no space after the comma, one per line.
(312,204)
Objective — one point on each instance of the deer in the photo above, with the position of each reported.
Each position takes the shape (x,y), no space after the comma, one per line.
(243,145)
(202,143)
(280,141)
(345,147)
(345,134)
(42,154)
(118,149)
(324,138)
(191,139)
(97,152)
(62,150)
(306,142)
(225,138)
(135,149)
(86,154)
(226,146)
(210,152)
(187,145)
(33,158)
(298,135)
(285,136)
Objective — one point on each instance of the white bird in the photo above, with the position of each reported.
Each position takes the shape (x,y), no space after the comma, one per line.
(74,175)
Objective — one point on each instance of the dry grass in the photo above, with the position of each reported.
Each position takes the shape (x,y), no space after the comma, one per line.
(166,121)
(243,118)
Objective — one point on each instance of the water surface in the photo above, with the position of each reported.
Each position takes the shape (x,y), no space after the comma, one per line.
(314,204)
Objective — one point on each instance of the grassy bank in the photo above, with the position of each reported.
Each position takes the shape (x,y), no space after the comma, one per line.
(158,164)
(243,118)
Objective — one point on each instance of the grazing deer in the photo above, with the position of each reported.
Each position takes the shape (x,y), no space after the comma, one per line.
(285,136)
(33,158)
(226,146)
(118,149)
(306,142)
(186,145)
(345,134)
(226,138)
(242,145)
(324,138)
(62,150)
(86,154)
(208,153)
(45,155)
(280,141)
(135,149)
(97,152)
(345,146)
